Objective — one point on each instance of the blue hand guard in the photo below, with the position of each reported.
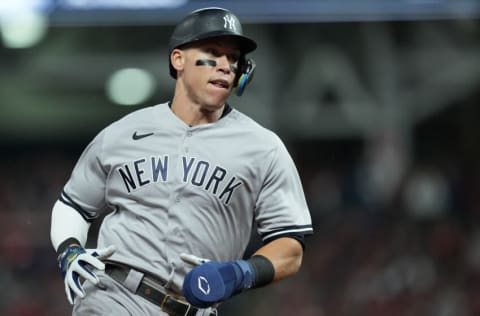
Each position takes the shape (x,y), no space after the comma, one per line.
(214,282)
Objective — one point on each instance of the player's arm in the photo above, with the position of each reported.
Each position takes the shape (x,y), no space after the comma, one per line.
(68,233)
(285,254)
(211,282)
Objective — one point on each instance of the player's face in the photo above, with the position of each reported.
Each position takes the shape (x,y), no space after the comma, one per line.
(209,71)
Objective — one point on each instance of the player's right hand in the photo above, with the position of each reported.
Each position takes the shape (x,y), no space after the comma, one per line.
(76,263)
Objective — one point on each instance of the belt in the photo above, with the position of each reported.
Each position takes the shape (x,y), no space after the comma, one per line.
(149,288)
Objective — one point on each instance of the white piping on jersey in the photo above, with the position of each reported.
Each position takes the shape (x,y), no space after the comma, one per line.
(298,230)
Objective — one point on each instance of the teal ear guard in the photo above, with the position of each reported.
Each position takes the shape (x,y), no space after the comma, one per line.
(245,76)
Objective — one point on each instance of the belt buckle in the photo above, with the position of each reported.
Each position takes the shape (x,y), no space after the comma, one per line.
(164,308)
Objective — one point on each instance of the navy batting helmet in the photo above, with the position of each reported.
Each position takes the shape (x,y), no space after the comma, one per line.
(207,23)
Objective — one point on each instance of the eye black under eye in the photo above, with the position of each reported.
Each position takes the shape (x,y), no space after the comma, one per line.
(233,69)
(233,58)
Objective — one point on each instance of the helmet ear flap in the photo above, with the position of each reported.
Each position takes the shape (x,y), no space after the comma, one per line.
(245,74)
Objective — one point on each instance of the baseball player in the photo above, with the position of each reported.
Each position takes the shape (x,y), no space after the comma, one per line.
(185,183)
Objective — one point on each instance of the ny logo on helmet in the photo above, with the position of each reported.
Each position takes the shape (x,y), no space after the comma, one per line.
(229,22)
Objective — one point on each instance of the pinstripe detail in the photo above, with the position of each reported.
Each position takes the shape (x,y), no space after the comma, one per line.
(66,199)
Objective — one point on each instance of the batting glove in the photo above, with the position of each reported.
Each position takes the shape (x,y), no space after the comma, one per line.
(76,263)
(212,282)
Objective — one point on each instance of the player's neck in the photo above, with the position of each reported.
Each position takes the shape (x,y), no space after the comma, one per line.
(192,113)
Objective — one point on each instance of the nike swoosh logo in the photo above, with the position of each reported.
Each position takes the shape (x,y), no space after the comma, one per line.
(136,136)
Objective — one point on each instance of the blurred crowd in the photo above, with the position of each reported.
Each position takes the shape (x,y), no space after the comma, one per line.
(31,180)
(417,254)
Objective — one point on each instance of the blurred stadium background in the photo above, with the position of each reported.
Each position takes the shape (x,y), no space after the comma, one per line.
(377,100)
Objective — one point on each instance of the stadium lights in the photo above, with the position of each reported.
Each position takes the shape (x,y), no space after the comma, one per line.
(23,23)
(130,86)
(23,30)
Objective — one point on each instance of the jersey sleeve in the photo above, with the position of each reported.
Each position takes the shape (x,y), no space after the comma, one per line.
(281,208)
(85,190)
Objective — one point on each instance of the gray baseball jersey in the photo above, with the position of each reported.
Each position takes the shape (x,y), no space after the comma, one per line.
(180,189)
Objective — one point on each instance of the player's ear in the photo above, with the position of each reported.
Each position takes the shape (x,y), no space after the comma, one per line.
(177,58)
